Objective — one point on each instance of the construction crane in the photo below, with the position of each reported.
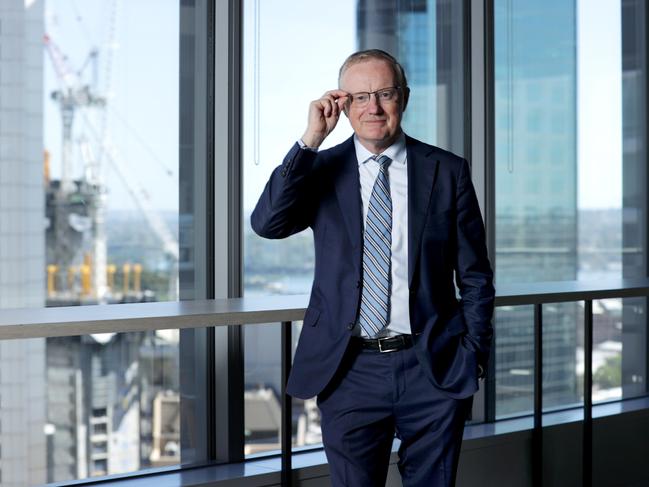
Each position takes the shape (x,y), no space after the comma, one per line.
(139,195)
(72,96)
(78,206)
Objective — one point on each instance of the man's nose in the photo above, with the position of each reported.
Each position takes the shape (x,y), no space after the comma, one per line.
(373,105)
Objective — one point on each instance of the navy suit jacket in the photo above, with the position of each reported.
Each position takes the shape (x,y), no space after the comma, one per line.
(446,239)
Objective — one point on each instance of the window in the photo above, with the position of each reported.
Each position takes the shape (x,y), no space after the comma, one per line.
(88,214)
(276,97)
(567,81)
(108,183)
(281,77)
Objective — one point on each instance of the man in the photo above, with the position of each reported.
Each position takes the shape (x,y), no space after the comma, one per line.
(386,345)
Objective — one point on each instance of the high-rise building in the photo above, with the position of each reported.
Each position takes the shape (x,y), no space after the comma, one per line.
(426,37)
(102,403)
(22,240)
(536,193)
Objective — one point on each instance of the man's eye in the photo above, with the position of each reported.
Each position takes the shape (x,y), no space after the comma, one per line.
(385,95)
(361,98)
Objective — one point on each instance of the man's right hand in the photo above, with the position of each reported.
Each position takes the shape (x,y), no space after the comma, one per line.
(323,117)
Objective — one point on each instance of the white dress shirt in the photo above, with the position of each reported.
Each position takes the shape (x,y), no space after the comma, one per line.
(368,170)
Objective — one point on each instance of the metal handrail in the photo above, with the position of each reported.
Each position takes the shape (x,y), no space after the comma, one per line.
(122,318)
(537,295)
(134,317)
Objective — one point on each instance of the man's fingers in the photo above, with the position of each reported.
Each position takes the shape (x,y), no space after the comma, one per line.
(340,102)
(324,114)
(330,106)
(336,93)
(333,101)
(322,107)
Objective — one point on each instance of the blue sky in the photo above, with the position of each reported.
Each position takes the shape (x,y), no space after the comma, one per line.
(299,57)
(599,103)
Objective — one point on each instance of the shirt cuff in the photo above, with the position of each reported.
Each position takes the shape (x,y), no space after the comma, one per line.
(303,146)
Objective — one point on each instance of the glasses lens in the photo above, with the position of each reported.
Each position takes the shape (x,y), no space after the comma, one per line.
(388,94)
(363,98)
(360,98)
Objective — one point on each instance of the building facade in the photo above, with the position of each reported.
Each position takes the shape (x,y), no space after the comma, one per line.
(22,240)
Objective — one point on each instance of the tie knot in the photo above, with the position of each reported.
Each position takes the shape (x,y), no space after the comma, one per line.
(383,161)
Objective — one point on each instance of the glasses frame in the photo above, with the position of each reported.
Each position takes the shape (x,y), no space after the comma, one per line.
(352,96)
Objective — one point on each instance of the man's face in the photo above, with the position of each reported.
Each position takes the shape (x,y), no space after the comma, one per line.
(377,124)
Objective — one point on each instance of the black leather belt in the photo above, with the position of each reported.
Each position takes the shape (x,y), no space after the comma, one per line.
(386,344)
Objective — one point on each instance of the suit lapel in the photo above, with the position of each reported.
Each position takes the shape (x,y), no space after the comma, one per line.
(348,192)
(422,169)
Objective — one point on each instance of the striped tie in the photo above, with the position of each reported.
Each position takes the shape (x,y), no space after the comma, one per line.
(375,298)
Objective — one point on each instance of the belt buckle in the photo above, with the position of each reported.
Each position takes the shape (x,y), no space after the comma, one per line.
(380,341)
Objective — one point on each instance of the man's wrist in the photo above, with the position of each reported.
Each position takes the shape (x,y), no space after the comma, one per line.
(311,141)
(304,145)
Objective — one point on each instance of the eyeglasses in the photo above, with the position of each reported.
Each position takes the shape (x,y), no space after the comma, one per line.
(385,95)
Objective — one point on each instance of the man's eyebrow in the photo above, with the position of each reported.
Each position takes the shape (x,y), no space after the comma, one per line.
(375,91)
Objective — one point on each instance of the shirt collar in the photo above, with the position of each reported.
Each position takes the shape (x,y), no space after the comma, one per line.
(396,152)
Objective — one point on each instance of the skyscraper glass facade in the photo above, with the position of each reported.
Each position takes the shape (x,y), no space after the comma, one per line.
(426,36)
(536,192)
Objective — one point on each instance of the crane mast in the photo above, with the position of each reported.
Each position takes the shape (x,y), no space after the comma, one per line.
(88,194)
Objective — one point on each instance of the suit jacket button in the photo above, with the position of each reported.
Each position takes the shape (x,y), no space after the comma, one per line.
(358,284)
(350,327)
(283,173)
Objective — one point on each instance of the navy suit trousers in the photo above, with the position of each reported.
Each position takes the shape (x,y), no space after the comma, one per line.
(375,396)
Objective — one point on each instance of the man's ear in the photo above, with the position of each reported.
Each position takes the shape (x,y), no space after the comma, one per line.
(406,97)
(345,111)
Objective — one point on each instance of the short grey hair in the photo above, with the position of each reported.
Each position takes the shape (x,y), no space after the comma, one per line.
(378,54)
